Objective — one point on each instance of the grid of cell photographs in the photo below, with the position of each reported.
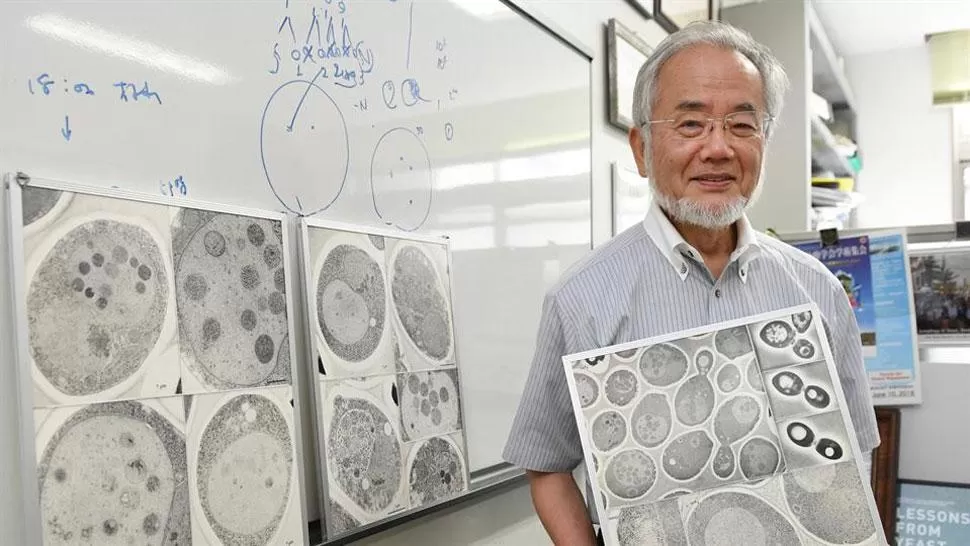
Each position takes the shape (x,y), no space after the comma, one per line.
(735,433)
(157,340)
(389,415)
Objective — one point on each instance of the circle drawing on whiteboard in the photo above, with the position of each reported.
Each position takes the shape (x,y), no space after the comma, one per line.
(400,179)
(304,146)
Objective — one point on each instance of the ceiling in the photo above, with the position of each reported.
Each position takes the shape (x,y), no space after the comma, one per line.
(866,26)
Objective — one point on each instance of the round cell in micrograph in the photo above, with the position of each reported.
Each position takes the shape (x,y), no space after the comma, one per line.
(694,401)
(608,430)
(215,243)
(115,473)
(733,342)
(417,292)
(437,472)
(245,470)
(736,418)
(817,397)
(620,387)
(802,321)
(630,474)
(704,361)
(754,377)
(758,458)
(427,413)
(804,349)
(728,378)
(686,455)
(37,202)
(663,364)
(627,354)
(595,361)
(365,453)
(723,463)
(787,383)
(800,434)
(650,421)
(654,523)
(90,340)
(728,518)
(351,303)
(830,449)
(586,389)
(777,334)
(830,502)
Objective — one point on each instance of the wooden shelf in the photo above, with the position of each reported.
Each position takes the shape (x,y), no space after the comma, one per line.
(825,152)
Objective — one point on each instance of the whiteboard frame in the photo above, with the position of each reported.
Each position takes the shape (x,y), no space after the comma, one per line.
(304,225)
(13,184)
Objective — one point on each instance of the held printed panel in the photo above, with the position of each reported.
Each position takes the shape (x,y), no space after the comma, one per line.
(732,434)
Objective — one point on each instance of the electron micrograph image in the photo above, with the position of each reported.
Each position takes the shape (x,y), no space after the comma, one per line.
(365,456)
(114,473)
(429,402)
(420,293)
(787,340)
(695,441)
(814,440)
(230,286)
(437,469)
(100,299)
(242,468)
(349,303)
(38,203)
(800,390)
(676,415)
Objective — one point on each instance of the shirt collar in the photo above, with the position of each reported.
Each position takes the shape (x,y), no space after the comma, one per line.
(677,251)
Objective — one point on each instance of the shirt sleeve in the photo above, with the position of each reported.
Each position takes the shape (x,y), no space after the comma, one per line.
(847,350)
(544,436)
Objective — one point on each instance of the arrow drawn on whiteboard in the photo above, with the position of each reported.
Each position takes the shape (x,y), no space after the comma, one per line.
(66,131)
(287,21)
(289,128)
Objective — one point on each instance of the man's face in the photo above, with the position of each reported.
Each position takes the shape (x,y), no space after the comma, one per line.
(712,176)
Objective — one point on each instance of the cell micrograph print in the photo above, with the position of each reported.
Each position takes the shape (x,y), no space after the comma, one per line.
(350,303)
(114,473)
(232,304)
(420,296)
(429,402)
(243,467)
(98,302)
(736,434)
(436,470)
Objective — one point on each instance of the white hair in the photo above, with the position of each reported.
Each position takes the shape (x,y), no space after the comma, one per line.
(715,33)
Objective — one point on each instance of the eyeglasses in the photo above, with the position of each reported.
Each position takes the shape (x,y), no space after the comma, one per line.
(696,125)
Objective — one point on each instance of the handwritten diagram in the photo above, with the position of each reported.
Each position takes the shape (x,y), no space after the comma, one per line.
(304,135)
(401,179)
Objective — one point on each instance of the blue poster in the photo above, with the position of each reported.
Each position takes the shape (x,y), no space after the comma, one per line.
(874,270)
(848,260)
(933,514)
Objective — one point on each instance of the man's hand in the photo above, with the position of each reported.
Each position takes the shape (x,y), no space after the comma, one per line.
(561,508)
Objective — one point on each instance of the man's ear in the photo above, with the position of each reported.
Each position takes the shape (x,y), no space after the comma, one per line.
(636,146)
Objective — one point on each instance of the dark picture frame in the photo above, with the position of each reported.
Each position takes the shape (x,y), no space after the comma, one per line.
(885,467)
(644,7)
(621,44)
(672,22)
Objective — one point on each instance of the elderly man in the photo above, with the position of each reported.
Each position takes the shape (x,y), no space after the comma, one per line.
(704,106)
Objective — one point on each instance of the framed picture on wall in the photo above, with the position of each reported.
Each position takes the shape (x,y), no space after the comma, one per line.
(627,53)
(645,7)
(675,14)
(631,197)
(885,467)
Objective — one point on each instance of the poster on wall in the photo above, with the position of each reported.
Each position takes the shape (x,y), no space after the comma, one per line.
(941,291)
(873,269)
(723,433)
(932,514)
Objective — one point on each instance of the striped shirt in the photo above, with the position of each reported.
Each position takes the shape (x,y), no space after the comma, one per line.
(648,281)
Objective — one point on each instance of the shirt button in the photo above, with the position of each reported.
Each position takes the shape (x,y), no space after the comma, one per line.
(744,272)
(683,268)
(717,293)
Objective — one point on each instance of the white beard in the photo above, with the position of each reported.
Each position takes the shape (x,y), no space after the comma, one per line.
(707,216)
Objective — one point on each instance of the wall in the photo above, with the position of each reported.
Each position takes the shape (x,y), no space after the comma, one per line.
(906,143)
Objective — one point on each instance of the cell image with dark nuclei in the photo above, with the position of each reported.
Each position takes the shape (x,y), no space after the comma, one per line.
(231,301)
(99,298)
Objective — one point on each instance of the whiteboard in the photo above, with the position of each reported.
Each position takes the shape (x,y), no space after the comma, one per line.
(441,117)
